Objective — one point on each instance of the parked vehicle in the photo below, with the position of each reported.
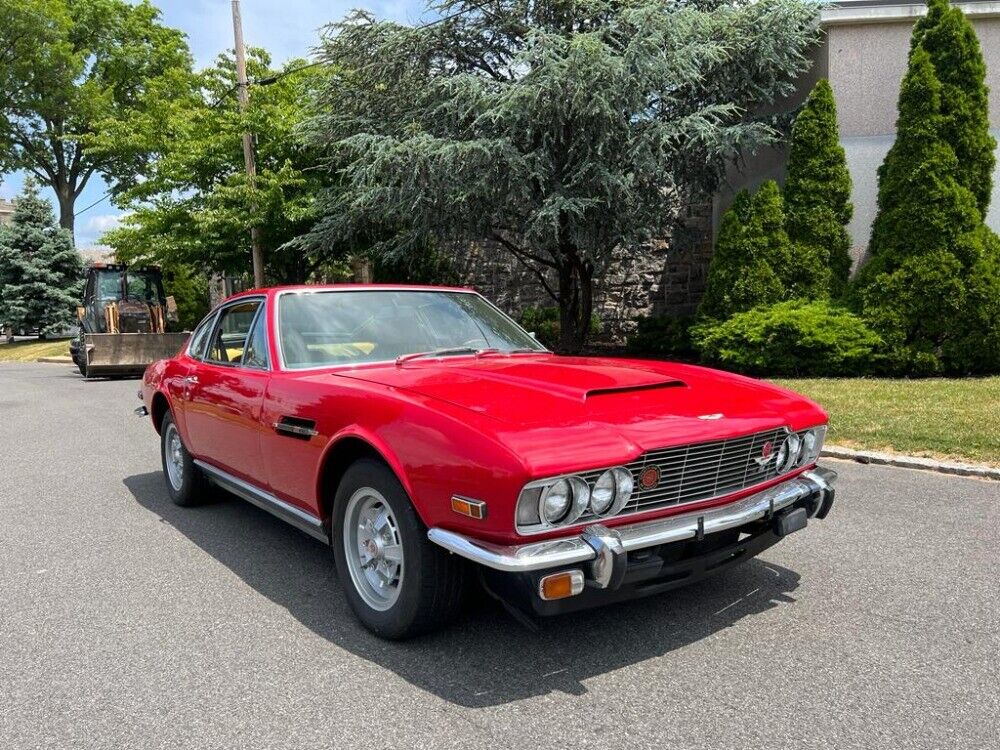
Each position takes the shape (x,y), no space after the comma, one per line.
(426,436)
(123,322)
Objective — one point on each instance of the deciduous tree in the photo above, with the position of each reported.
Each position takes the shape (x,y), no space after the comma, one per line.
(72,68)
(195,207)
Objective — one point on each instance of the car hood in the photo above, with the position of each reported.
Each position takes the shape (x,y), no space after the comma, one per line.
(540,405)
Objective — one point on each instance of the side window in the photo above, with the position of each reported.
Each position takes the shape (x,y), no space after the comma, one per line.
(199,338)
(256,353)
(229,338)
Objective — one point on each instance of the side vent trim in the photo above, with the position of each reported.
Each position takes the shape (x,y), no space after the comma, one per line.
(296,427)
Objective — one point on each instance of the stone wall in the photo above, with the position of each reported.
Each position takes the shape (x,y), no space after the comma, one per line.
(663,277)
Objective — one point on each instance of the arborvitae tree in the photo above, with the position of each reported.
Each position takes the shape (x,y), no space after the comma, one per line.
(933,260)
(818,196)
(951,41)
(753,256)
(40,271)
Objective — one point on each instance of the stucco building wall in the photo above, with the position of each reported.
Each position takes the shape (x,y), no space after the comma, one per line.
(864,56)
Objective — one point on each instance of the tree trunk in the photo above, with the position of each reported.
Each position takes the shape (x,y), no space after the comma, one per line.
(576,302)
(67,203)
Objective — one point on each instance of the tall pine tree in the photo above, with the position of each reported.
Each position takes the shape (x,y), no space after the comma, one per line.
(951,42)
(752,256)
(933,260)
(40,271)
(818,195)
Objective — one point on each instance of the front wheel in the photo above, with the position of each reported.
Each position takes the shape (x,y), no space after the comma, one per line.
(397,582)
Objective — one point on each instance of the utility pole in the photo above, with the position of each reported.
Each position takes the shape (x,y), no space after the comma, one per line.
(248,151)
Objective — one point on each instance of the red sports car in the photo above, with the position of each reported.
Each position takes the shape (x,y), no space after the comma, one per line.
(426,436)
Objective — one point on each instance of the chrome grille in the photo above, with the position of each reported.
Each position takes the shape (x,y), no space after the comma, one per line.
(701,471)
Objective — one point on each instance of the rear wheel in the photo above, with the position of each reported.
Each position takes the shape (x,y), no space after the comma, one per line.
(186,483)
(397,582)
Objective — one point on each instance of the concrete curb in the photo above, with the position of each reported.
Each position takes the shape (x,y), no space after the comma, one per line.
(55,360)
(912,462)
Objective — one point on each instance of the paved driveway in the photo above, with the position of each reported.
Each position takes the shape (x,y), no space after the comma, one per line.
(128,622)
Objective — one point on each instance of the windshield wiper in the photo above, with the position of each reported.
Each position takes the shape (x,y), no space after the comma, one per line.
(507,352)
(448,351)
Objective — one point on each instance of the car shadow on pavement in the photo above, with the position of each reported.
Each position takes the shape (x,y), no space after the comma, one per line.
(486,658)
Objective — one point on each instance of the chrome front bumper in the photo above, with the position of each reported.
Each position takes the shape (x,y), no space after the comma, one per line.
(599,541)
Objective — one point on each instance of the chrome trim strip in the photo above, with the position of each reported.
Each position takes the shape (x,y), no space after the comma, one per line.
(298,518)
(554,553)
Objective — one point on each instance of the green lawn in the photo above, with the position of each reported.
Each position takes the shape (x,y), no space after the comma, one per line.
(957,419)
(29,351)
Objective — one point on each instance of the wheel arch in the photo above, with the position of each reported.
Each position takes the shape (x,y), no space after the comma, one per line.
(338,456)
(159,407)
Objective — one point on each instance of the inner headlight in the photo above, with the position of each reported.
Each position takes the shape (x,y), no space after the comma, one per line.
(612,490)
(603,495)
(794,443)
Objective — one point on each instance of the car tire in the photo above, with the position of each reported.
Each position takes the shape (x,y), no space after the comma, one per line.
(420,593)
(186,483)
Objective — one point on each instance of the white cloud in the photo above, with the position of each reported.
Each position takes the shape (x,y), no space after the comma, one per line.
(102,223)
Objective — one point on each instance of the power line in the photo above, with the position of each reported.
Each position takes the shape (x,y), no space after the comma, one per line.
(268,80)
(100,200)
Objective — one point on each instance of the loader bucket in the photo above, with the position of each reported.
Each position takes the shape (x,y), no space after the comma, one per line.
(111,355)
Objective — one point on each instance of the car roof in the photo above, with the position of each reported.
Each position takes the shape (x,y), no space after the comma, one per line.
(348,288)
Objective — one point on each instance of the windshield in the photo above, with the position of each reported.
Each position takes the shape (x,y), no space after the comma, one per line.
(142,286)
(319,329)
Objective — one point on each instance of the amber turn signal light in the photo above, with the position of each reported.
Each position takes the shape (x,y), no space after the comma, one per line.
(466,507)
(561,585)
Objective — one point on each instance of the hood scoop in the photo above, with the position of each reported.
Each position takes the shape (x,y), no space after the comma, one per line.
(614,391)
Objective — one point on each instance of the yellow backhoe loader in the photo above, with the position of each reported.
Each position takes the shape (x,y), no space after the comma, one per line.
(123,322)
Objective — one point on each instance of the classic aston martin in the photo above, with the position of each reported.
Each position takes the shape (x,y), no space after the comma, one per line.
(428,438)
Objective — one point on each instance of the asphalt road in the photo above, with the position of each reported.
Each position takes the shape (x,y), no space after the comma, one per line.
(126,622)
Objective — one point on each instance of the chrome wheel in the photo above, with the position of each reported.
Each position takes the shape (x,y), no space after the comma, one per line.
(373,548)
(173,455)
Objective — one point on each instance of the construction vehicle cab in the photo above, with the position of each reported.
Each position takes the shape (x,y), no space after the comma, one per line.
(124,322)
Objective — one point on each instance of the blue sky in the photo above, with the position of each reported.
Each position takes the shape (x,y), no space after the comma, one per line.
(286,28)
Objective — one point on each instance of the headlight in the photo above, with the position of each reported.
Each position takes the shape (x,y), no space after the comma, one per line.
(782,458)
(812,444)
(563,501)
(555,502)
(603,495)
(612,490)
(794,443)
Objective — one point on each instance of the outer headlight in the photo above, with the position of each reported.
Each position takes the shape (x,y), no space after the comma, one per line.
(563,501)
(812,444)
(555,502)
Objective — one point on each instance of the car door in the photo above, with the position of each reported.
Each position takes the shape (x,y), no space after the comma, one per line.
(226,390)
